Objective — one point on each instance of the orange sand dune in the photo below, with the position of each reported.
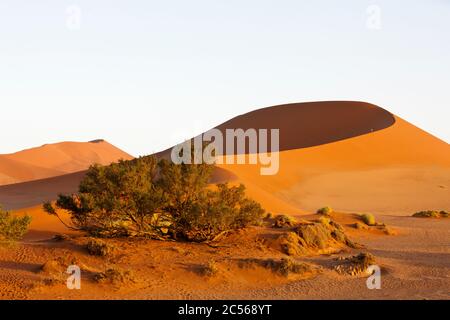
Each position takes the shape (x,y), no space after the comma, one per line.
(353,156)
(396,170)
(56,159)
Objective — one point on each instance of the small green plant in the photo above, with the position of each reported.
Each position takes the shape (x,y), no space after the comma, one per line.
(99,248)
(12,228)
(325,211)
(368,219)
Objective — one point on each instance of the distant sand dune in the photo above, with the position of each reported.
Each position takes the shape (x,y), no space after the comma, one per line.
(56,159)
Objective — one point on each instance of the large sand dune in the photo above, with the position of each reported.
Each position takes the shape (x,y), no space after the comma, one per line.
(386,166)
(353,156)
(55,160)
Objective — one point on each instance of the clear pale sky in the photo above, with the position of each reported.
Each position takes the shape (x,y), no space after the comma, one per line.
(147,74)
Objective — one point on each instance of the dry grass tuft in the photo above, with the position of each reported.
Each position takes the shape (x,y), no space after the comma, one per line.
(283,221)
(99,248)
(431,214)
(115,276)
(356,265)
(211,269)
(325,211)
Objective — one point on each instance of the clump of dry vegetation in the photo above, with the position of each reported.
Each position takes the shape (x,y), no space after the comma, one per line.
(314,237)
(284,267)
(211,269)
(99,248)
(290,244)
(115,276)
(360,226)
(61,237)
(325,211)
(321,236)
(368,219)
(283,221)
(56,268)
(355,265)
(12,228)
(431,214)
(52,267)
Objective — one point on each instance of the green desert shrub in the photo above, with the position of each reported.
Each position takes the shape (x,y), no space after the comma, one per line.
(368,219)
(12,228)
(431,214)
(325,211)
(153,198)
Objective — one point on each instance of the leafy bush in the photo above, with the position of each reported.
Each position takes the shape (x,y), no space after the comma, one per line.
(12,228)
(158,199)
(368,219)
(431,214)
(325,211)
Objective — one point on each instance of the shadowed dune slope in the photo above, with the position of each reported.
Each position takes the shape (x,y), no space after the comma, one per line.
(304,125)
(32,193)
(56,159)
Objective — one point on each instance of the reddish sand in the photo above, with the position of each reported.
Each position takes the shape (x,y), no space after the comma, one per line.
(415,265)
(56,159)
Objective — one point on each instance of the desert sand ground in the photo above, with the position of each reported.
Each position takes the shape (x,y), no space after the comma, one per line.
(355,157)
(415,265)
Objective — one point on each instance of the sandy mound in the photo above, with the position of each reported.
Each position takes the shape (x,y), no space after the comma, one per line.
(56,159)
